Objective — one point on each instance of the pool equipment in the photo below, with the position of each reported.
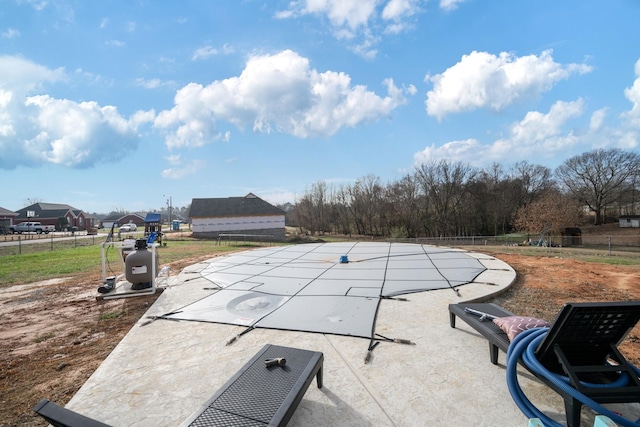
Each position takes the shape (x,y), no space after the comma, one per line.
(141,266)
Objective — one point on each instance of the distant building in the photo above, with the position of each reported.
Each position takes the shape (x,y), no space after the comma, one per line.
(56,214)
(121,219)
(6,219)
(629,221)
(248,215)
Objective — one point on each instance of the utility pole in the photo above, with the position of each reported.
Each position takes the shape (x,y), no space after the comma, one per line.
(169,208)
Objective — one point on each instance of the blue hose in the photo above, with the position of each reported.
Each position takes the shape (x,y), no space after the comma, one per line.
(523,346)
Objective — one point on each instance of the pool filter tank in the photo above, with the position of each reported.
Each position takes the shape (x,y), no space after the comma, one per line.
(139,266)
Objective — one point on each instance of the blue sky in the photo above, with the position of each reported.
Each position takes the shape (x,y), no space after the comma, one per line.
(122,104)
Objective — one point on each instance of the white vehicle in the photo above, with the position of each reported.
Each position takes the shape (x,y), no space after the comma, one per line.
(127,228)
(31,227)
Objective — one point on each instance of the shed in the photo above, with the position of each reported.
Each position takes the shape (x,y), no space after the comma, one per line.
(629,221)
(248,215)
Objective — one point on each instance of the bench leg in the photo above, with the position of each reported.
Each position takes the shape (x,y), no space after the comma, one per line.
(452,319)
(319,377)
(493,353)
(572,409)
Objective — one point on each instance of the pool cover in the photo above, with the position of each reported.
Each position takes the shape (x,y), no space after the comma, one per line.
(332,288)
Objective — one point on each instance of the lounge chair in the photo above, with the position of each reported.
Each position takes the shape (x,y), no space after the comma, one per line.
(581,344)
(479,316)
(259,393)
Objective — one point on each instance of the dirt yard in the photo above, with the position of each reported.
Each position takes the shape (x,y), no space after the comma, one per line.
(54,334)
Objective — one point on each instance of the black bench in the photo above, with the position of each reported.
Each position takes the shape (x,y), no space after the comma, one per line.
(262,396)
(492,332)
(257,395)
(58,416)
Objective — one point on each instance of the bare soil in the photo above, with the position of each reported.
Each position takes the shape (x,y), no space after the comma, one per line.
(54,334)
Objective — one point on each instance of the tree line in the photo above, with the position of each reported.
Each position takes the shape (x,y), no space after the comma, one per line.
(446,198)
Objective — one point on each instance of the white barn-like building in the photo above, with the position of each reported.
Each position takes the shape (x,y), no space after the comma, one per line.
(629,221)
(248,215)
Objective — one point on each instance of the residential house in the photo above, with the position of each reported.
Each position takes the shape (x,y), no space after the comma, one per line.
(6,219)
(248,215)
(121,219)
(59,215)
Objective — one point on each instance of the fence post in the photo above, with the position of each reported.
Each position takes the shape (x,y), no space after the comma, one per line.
(52,242)
(609,238)
(19,245)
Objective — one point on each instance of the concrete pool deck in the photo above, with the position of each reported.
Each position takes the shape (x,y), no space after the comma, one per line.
(161,372)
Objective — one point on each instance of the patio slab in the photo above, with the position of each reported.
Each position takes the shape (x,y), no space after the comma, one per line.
(160,373)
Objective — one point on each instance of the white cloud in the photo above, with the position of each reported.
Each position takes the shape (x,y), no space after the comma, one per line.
(140,118)
(536,135)
(633,94)
(10,33)
(204,52)
(208,51)
(536,127)
(278,197)
(275,93)
(341,13)
(77,134)
(597,119)
(449,5)
(483,80)
(37,128)
(359,21)
(173,159)
(153,83)
(182,170)
(461,151)
(397,9)
(397,13)
(22,76)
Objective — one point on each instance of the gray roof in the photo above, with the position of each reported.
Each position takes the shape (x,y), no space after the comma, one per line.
(7,212)
(249,205)
(48,210)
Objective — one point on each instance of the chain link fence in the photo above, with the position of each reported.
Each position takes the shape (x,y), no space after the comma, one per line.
(606,244)
(629,245)
(27,243)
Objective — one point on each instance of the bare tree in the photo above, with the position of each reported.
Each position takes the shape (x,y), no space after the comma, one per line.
(596,178)
(445,185)
(342,214)
(532,179)
(401,208)
(365,196)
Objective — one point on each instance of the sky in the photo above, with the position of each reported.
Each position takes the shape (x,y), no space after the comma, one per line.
(133,104)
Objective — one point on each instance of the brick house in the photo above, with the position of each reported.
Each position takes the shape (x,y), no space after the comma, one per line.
(55,214)
(6,219)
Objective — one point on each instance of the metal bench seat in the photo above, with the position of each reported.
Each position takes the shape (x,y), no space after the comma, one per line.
(261,396)
(257,395)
